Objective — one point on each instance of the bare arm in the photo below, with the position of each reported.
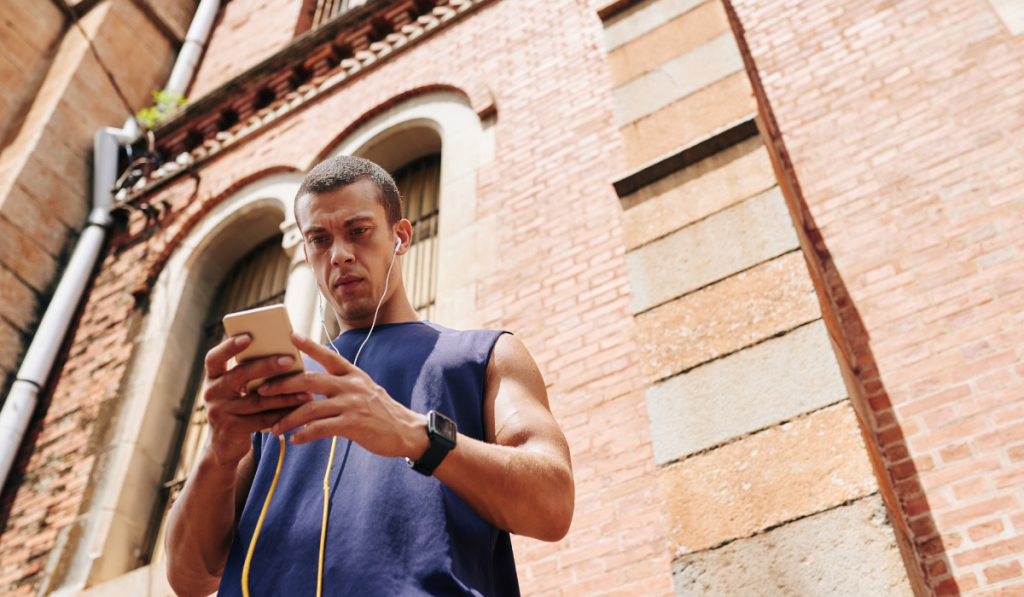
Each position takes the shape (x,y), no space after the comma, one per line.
(520,480)
(202,522)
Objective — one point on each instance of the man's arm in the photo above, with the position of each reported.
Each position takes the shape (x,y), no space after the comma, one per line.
(201,524)
(520,480)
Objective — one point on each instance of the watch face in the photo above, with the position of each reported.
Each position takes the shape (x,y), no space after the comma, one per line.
(444,427)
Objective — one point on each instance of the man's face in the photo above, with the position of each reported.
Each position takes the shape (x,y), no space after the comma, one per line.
(349,244)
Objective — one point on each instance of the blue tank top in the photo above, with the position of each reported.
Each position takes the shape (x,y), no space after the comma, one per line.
(391,531)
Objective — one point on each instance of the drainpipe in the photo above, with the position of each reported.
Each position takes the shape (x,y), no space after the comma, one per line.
(192,49)
(53,327)
(35,369)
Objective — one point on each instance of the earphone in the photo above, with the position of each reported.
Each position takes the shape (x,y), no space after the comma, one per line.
(334,440)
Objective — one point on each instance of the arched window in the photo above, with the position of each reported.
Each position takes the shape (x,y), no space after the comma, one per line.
(418,184)
(258,279)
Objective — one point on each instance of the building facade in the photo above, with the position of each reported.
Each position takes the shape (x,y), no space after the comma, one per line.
(766,255)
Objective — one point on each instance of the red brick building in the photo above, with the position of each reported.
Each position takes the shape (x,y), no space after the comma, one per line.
(766,255)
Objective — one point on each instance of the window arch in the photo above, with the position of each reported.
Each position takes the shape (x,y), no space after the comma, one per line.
(258,279)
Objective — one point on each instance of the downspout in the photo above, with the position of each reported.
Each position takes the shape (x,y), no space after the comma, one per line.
(53,327)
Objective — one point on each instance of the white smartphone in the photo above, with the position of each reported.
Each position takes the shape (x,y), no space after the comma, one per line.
(270,330)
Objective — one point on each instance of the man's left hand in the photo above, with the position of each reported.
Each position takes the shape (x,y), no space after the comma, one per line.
(354,407)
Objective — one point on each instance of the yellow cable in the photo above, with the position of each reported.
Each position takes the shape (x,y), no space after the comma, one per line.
(259,523)
(323,526)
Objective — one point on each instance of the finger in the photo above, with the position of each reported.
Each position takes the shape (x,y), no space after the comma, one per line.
(316,430)
(308,381)
(307,413)
(238,378)
(260,421)
(218,357)
(332,362)
(254,403)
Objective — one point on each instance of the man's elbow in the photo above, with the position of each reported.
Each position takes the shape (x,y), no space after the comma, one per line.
(185,582)
(558,515)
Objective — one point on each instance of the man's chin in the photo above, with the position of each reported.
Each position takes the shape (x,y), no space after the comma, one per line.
(356,310)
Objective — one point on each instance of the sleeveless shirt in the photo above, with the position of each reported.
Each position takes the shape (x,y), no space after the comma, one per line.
(391,531)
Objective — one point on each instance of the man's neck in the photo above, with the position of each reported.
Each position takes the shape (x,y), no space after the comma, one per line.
(396,309)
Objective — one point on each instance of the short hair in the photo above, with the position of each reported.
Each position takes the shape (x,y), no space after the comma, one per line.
(343,170)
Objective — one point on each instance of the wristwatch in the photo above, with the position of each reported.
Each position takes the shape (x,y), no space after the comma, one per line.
(441,431)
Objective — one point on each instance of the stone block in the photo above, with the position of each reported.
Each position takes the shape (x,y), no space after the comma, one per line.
(692,117)
(683,200)
(36,220)
(845,552)
(730,241)
(644,17)
(674,38)
(737,312)
(24,258)
(677,78)
(11,343)
(744,392)
(788,472)
(1012,14)
(18,301)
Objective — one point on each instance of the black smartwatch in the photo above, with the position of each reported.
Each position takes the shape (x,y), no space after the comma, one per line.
(441,431)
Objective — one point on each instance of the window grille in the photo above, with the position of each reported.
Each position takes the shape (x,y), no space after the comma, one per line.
(257,280)
(328,9)
(419,184)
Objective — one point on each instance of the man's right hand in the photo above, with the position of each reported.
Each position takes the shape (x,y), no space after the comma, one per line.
(235,414)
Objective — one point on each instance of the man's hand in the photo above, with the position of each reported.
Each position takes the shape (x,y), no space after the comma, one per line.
(235,414)
(354,407)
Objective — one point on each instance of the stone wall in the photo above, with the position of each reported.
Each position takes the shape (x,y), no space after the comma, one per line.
(900,124)
(766,482)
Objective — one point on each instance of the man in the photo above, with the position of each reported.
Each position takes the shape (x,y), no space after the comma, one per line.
(407,513)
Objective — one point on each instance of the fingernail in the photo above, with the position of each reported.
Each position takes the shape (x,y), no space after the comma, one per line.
(276,430)
(300,336)
(285,361)
(242,340)
(263,388)
(307,397)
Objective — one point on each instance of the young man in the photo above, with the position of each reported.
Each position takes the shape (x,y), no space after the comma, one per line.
(408,514)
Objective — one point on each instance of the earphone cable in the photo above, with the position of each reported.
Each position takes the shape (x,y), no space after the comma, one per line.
(334,444)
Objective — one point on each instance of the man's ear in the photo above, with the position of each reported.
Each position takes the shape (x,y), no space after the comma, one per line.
(306,255)
(403,230)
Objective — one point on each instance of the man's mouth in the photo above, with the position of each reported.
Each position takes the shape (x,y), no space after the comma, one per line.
(347,283)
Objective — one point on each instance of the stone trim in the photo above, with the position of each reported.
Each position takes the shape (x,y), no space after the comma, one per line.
(723,138)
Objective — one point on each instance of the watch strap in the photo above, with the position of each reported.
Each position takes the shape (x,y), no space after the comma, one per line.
(437,449)
(430,459)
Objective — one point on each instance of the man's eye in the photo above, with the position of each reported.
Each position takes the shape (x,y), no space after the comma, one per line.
(316,240)
(358,231)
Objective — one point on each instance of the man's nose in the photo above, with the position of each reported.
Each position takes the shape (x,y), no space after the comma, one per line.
(342,253)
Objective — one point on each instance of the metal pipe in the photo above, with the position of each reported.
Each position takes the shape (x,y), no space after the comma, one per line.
(42,352)
(35,368)
(192,49)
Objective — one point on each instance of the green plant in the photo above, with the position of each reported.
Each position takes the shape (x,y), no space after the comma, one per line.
(164,104)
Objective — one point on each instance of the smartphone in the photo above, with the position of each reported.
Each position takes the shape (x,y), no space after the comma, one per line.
(270,330)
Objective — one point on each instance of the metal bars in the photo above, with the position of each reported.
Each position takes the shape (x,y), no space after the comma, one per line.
(419,184)
(328,9)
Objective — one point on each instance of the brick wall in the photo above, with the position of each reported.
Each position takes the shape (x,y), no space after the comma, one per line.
(561,286)
(902,124)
